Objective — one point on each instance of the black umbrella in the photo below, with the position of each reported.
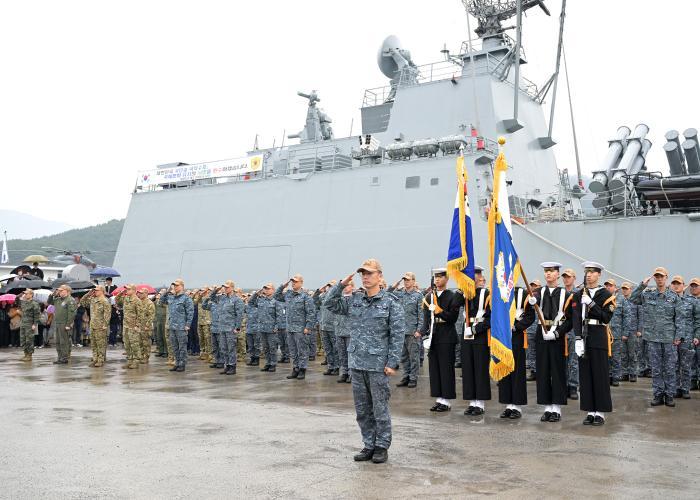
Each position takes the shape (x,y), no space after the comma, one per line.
(18,285)
(24,268)
(80,285)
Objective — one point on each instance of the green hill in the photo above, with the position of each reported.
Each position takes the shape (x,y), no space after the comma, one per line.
(100,240)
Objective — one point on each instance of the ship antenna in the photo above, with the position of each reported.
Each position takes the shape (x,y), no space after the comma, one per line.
(573,123)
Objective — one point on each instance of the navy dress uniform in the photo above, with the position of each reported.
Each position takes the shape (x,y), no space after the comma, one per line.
(592,309)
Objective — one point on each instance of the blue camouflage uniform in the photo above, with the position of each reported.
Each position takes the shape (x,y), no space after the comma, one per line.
(377,329)
(412,303)
(688,320)
(630,341)
(531,333)
(617,333)
(342,332)
(270,319)
(180,314)
(659,332)
(230,310)
(213,309)
(301,314)
(253,339)
(326,321)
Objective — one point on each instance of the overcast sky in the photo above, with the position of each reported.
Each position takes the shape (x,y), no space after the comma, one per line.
(93,91)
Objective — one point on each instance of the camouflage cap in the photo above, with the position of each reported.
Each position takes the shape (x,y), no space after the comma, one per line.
(130,286)
(143,289)
(660,270)
(569,272)
(535,283)
(370,265)
(695,281)
(269,286)
(65,287)
(678,278)
(610,281)
(297,277)
(409,276)
(178,282)
(626,285)
(229,284)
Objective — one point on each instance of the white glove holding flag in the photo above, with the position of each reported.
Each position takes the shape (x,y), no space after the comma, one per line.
(549,335)
(586,299)
(578,347)
(431,307)
(532,300)
(468,332)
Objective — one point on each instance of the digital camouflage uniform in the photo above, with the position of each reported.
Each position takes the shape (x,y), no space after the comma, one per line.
(31,313)
(377,330)
(212,308)
(531,333)
(253,341)
(146,316)
(412,303)
(688,321)
(630,327)
(301,314)
(270,319)
(132,340)
(659,332)
(63,317)
(616,329)
(342,332)
(100,314)
(180,313)
(159,328)
(229,316)
(204,330)
(326,321)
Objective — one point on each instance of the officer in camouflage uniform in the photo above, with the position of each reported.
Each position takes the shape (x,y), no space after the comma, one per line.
(100,314)
(412,302)
(377,330)
(146,316)
(230,311)
(616,329)
(203,326)
(159,326)
(342,331)
(301,317)
(270,318)
(631,336)
(531,333)
(31,313)
(63,318)
(326,320)
(180,313)
(212,307)
(660,327)
(688,321)
(694,289)
(253,338)
(128,301)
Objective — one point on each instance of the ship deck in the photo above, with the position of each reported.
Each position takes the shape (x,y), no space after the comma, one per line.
(74,432)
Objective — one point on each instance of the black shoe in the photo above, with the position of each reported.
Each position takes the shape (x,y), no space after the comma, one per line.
(598,420)
(633,378)
(442,408)
(265,368)
(588,420)
(694,386)
(57,362)
(343,378)
(336,371)
(214,365)
(685,395)
(469,410)
(515,414)
(324,362)
(412,384)
(532,376)
(272,369)
(312,358)
(364,455)
(625,378)
(255,362)
(349,380)
(573,393)
(173,369)
(328,372)
(657,401)
(294,374)
(506,413)
(403,383)
(380,456)
(302,374)
(679,393)
(231,370)
(180,369)
(478,410)
(545,416)
(669,401)
(555,417)
(249,362)
(435,407)
(614,383)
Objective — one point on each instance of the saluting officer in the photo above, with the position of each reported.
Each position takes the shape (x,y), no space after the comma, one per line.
(593,308)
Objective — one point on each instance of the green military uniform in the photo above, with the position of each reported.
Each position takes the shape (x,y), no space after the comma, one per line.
(204,330)
(146,315)
(132,340)
(31,312)
(100,314)
(241,341)
(63,318)
(161,311)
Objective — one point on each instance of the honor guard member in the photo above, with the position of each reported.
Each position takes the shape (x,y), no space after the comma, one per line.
(146,315)
(592,309)
(660,327)
(616,330)
(342,331)
(160,326)
(229,316)
(512,389)
(568,277)
(180,313)
(412,302)
(688,321)
(326,321)
(550,363)
(631,336)
(100,314)
(694,288)
(535,285)
(270,318)
(377,328)
(301,317)
(440,312)
(63,317)
(475,352)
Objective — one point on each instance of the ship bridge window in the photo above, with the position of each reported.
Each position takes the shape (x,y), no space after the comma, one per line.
(413,182)
(434,181)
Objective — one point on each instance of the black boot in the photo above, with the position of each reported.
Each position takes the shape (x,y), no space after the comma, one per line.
(302,374)
(380,455)
(336,371)
(633,378)
(255,362)
(324,362)
(272,369)
(328,372)
(657,401)
(364,455)
(342,378)
(294,374)
(694,386)
(265,368)
(403,383)
(573,393)
(231,370)
(214,365)
(173,369)
(225,372)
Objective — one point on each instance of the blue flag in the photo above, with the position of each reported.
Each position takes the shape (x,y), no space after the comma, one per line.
(460,254)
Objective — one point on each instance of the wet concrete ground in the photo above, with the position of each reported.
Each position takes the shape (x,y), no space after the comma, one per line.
(72,431)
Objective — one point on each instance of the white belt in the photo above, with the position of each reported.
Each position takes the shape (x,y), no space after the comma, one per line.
(476,321)
(592,322)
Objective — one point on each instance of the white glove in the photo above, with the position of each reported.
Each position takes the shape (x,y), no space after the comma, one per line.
(578,347)
(532,300)
(431,307)
(549,336)
(468,332)
(586,299)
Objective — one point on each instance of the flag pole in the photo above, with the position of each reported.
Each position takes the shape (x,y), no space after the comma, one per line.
(467,322)
(529,290)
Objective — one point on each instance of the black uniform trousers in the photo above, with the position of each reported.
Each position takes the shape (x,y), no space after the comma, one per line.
(512,389)
(441,368)
(594,380)
(476,383)
(550,365)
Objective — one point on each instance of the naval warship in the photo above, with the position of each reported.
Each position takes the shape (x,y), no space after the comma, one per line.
(389,193)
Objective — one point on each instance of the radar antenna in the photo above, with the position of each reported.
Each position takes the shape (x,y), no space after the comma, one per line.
(396,63)
(491,13)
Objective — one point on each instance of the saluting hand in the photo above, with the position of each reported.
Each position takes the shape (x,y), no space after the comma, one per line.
(348,279)
(647,280)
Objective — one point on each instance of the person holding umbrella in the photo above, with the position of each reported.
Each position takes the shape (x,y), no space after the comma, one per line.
(31,314)
(64,315)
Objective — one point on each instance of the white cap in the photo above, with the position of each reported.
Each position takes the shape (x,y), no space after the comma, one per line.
(439,270)
(545,265)
(594,265)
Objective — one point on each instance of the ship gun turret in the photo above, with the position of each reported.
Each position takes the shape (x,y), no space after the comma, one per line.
(318,123)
